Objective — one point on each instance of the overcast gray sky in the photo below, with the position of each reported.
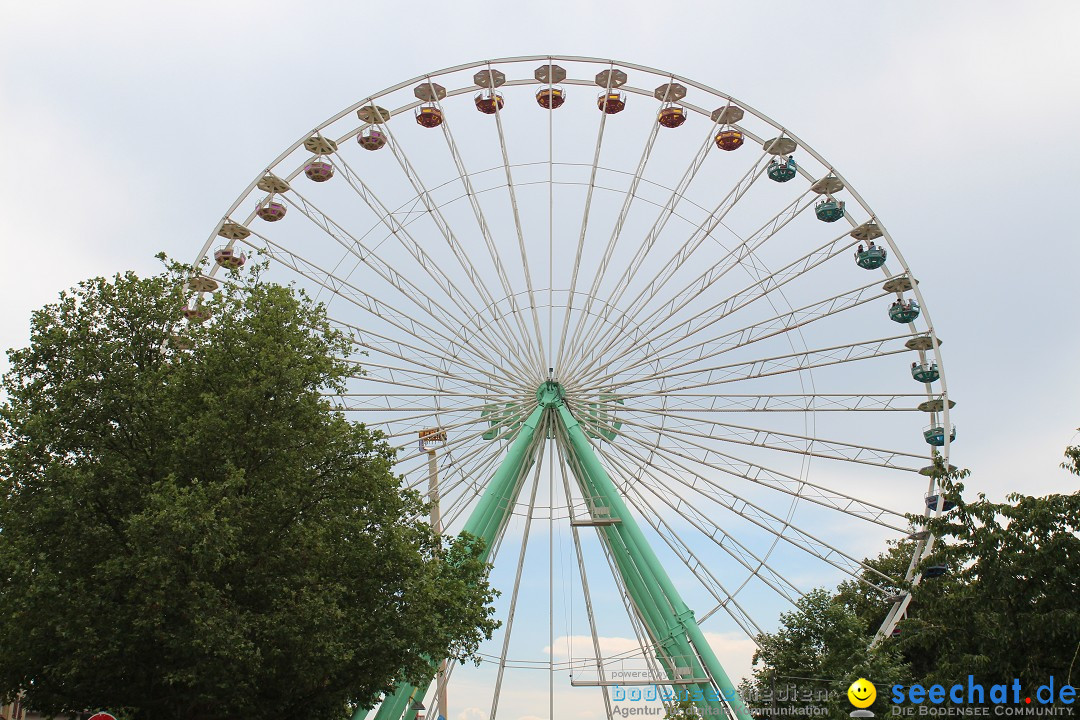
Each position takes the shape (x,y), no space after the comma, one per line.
(130,127)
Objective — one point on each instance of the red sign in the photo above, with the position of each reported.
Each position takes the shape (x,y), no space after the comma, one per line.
(102,716)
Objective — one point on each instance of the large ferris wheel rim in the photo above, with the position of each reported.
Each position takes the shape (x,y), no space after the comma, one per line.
(612,63)
(941,391)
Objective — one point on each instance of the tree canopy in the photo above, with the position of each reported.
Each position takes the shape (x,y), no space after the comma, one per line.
(196,533)
(1009,606)
(820,648)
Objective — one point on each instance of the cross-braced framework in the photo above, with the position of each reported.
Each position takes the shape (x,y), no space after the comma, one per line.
(606,306)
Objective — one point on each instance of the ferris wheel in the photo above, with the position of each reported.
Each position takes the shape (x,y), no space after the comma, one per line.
(638,336)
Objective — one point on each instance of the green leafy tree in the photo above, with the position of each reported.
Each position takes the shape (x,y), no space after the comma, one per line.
(1008,608)
(1010,605)
(683,709)
(195,533)
(886,572)
(820,649)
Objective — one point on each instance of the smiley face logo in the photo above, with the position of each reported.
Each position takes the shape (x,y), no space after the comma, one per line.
(862,693)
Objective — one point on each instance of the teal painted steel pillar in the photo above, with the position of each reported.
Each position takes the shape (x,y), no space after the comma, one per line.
(644,555)
(653,605)
(485,521)
(653,610)
(669,621)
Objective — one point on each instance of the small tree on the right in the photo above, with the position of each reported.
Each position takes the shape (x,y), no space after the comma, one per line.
(1009,604)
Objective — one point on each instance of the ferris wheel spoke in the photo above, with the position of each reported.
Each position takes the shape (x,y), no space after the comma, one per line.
(415,462)
(758,474)
(401,402)
(392,419)
(450,417)
(732,258)
(410,353)
(514,592)
(371,377)
(759,516)
(397,280)
(784,402)
(676,355)
(503,428)
(465,479)
(474,452)
(418,374)
(519,339)
(765,367)
(464,440)
(697,567)
(493,249)
(469,486)
(667,212)
(783,441)
(450,424)
(520,233)
(576,267)
(616,233)
(398,425)
(345,290)
(756,290)
(742,255)
(691,440)
(389,407)
(688,511)
(455,380)
(476,478)
(724,598)
(399,231)
(405,238)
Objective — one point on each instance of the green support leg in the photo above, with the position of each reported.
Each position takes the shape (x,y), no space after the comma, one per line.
(485,521)
(652,605)
(646,559)
(668,620)
(645,601)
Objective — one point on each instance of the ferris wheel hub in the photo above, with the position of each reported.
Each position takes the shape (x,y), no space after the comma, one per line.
(550,394)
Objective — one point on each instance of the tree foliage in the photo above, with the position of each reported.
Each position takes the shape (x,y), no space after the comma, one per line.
(196,533)
(886,571)
(1010,605)
(820,648)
